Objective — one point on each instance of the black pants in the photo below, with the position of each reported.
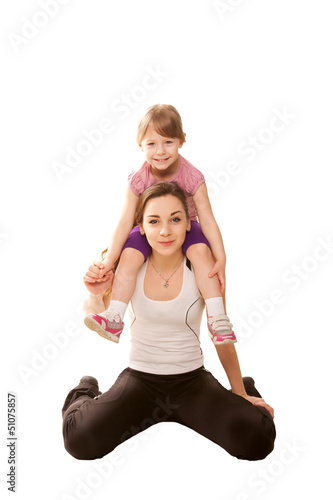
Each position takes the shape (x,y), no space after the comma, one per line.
(94,426)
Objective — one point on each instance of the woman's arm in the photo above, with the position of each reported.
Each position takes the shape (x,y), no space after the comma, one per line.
(208,223)
(229,359)
(96,302)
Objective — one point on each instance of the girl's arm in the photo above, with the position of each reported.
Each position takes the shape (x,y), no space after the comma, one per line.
(122,230)
(208,223)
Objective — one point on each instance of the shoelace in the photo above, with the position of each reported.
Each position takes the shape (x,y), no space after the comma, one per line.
(222,324)
(111,318)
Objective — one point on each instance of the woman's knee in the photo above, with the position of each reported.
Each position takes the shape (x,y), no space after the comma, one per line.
(83,447)
(255,436)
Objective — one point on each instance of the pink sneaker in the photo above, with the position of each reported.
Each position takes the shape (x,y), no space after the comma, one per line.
(107,324)
(220,330)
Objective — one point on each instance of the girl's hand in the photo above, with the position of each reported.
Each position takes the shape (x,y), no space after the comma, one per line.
(94,284)
(219,269)
(104,267)
(260,402)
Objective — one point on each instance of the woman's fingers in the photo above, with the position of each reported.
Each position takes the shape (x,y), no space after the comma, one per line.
(260,402)
(94,272)
(265,405)
(90,277)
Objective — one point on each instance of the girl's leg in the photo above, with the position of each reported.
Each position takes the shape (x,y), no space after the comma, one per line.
(242,429)
(109,324)
(197,249)
(202,260)
(94,426)
(125,278)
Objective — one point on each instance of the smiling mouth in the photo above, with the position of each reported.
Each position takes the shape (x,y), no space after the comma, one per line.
(166,243)
(161,160)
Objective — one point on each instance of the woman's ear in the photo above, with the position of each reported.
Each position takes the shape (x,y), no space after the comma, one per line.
(188,227)
(142,232)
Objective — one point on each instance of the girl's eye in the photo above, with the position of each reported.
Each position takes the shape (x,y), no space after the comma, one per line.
(169,142)
(151,144)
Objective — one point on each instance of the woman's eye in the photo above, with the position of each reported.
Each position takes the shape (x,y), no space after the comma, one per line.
(153,221)
(176,219)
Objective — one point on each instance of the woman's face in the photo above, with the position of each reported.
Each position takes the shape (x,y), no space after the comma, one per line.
(165,224)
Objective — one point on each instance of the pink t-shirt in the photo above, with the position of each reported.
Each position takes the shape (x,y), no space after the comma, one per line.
(188,178)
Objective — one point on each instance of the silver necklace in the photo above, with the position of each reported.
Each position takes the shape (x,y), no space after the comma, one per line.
(166,284)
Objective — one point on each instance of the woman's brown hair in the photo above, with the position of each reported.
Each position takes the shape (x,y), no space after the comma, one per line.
(154,191)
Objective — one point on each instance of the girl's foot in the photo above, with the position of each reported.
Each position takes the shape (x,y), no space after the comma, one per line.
(107,324)
(220,330)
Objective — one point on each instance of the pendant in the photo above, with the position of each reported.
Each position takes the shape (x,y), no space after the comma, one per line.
(166,285)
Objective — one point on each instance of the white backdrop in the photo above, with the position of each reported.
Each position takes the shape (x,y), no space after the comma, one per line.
(253,84)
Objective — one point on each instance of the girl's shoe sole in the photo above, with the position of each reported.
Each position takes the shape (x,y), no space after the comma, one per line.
(96,327)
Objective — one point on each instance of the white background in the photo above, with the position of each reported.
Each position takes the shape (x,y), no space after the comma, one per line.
(228,73)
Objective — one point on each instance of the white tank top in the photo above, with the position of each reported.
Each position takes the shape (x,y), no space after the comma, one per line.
(165,335)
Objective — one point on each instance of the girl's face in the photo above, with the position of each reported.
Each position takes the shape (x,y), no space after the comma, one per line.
(165,224)
(160,152)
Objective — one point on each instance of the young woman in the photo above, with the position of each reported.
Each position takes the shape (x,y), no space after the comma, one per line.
(166,379)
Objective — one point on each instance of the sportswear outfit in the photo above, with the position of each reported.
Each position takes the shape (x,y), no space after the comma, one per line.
(166,381)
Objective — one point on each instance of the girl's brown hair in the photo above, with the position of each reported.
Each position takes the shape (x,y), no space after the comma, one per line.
(165,119)
(154,191)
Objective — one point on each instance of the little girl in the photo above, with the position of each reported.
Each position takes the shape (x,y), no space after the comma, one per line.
(160,135)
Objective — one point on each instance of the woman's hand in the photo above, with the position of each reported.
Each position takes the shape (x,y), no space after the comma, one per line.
(260,402)
(219,269)
(94,284)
